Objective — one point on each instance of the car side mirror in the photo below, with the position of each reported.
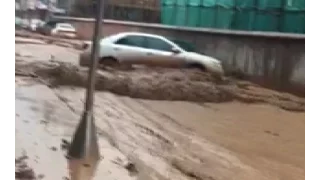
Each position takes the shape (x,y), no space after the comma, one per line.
(175,50)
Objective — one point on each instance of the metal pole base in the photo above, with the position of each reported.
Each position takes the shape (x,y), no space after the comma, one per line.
(79,170)
(83,154)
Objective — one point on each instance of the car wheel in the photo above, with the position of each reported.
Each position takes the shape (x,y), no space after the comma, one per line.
(196,66)
(109,61)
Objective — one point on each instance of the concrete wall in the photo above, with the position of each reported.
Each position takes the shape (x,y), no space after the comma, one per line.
(275,60)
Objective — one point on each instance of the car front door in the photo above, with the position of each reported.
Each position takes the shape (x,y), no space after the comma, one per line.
(130,49)
(159,53)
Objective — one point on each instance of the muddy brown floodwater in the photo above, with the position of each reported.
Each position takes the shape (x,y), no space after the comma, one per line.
(161,84)
(183,124)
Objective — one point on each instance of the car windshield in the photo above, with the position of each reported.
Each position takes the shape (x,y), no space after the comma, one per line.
(184,45)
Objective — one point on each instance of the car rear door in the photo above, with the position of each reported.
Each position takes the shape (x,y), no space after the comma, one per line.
(159,53)
(130,49)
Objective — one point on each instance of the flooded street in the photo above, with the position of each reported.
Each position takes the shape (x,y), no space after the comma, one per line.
(42,122)
(167,133)
(219,141)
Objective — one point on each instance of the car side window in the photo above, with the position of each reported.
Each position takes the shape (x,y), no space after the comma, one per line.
(48,24)
(135,41)
(158,44)
(52,24)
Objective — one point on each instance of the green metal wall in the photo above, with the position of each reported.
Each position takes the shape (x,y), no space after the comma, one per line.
(252,15)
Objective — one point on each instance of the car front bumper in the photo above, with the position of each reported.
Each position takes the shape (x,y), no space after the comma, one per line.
(216,69)
(65,35)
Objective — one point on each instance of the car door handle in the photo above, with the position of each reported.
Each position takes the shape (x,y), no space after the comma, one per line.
(149,53)
(116,49)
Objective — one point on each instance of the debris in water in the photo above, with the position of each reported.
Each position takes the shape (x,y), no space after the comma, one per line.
(53,148)
(131,168)
(24,174)
(40,176)
(43,122)
(65,178)
(161,84)
(23,171)
(21,158)
(64,144)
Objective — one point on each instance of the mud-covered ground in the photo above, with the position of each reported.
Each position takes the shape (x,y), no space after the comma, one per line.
(176,124)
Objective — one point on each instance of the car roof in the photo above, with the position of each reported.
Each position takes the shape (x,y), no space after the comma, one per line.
(178,40)
(139,34)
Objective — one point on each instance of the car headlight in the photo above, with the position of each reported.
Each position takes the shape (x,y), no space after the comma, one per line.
(218,66)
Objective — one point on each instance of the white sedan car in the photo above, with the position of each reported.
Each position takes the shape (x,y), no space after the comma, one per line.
(152,50)
(64,30)
(54,28)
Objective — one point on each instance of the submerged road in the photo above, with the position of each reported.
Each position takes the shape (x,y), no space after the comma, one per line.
(42,121)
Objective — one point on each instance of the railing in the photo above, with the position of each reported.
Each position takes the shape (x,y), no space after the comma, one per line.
(250,15)
(247,15)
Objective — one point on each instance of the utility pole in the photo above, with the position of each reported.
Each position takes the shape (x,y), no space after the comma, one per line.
(83,154)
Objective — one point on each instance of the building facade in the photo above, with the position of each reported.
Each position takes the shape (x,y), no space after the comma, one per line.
(38,9)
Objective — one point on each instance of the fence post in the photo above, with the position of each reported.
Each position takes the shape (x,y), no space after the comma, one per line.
(186,14)
(281,18)
(235,8)
(215,15)
(255,14)
(173,18)
(200,14)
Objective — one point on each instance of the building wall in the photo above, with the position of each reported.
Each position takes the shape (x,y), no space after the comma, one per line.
(274,60)
(65,4)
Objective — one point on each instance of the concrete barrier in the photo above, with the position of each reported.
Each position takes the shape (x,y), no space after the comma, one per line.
(275,60)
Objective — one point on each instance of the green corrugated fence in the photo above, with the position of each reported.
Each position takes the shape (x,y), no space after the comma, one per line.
(252,15)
